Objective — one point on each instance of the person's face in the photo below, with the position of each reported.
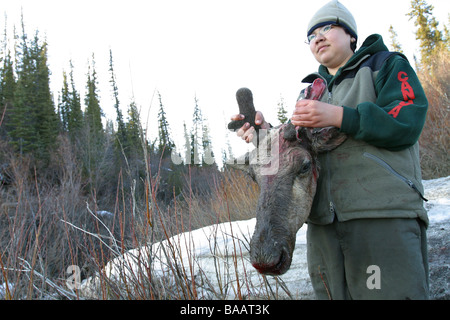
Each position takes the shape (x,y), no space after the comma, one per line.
(331,49)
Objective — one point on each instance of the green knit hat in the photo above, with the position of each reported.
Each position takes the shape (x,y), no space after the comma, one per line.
(333,13)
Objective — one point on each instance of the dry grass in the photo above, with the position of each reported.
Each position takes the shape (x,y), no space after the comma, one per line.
(36,245)
(234,197)
(47,227)
(435,139)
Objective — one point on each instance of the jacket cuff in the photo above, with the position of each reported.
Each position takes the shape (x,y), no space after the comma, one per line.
(350,121)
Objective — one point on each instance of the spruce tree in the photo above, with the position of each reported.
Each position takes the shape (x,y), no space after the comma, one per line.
(121,133)
(46,117)
(134,128)
(282,113)
(69,107)
(64,104)
(228,153)
(196,131)
(395,45)
(7,88)
(21,127)
(208,154)
(33,123)
(93,139)
(187,145)
(427,33)
(22,124)
(75,116)
(93,112)
(166,144)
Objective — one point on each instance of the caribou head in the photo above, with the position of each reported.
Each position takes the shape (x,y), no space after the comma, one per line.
(286,168)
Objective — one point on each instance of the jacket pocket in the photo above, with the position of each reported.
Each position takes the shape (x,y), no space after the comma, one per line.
(391,170)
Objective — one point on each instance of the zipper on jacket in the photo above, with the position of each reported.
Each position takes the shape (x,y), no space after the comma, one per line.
(330,97)
(394,173)
(331,204)
(332,210)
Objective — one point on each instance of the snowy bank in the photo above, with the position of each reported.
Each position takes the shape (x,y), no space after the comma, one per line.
(213,262)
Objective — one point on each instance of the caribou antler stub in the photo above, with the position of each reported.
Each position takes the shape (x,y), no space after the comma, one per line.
(244,99)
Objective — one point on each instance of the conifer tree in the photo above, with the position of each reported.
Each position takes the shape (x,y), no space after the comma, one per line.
(135,145)
(34,123)
(228,153)
(197,128)
(47,121)
(134,128)
(7,88)
(69,107)
(427,32)
(93,112)
(93,138)
(395,45)
(166,144)
(64,104)
(121,134)
(208,154)
(21,127)
(282,113)
(187,145)
(75,116)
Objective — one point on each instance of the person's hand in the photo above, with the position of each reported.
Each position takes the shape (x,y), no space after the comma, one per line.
(316,114)
(247,132)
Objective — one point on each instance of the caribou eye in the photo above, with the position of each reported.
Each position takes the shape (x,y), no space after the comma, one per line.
(306,166)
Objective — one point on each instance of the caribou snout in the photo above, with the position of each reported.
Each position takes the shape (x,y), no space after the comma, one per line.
(270,256)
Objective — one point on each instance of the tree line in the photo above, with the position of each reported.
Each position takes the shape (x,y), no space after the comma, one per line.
(34,123)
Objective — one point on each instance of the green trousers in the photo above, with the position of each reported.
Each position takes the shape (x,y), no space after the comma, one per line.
(369,259)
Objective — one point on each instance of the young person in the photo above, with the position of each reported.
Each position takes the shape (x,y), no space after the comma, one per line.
(367,229)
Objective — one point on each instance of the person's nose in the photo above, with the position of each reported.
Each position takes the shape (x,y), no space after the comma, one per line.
(319,37)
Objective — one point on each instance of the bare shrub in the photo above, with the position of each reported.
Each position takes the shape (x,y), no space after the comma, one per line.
(232,196)
(36,237)
(435,138)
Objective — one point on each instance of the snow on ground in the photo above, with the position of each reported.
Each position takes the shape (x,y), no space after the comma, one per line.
(437,192)
(217,258)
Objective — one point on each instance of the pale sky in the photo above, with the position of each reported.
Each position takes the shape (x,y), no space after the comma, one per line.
(203,48)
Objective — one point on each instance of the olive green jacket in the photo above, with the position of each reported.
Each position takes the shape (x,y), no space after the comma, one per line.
(376,172)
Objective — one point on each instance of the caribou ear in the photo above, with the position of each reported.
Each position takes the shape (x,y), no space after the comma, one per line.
(327,139)
(289,132)
(301,134)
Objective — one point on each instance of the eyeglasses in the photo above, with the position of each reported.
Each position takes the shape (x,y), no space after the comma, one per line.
(323,31)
